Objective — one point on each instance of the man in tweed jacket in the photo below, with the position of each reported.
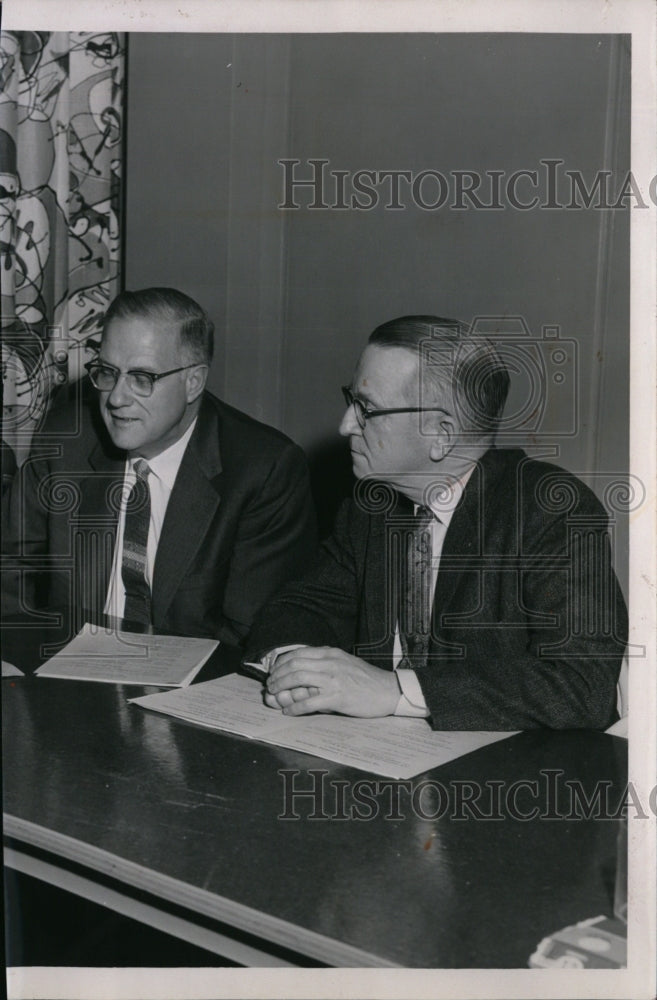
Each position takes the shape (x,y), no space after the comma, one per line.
(528,625)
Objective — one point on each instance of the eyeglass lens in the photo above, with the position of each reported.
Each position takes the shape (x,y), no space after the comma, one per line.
(359,408)
(105,379)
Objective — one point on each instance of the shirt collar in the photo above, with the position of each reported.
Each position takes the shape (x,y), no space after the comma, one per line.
(165,465)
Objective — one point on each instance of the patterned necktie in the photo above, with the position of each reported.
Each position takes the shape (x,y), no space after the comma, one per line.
(415,611)
(135,543)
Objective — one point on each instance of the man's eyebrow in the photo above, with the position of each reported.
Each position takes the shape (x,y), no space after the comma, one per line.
(146,371)
(363,396)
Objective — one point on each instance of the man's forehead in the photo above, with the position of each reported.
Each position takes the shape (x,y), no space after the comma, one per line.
(385,368)
(145,331)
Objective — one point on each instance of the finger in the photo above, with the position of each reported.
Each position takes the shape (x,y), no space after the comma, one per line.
(296,676)
(285,698)
(272,701)
(318,703)
(310,652)
(300,693)
(294,664)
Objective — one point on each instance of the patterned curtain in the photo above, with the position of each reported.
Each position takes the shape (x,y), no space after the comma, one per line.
(61,132)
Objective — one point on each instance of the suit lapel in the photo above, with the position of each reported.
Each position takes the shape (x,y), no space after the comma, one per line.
(375,578)
(381,577)
(462,539)
(192,506)
(465,536)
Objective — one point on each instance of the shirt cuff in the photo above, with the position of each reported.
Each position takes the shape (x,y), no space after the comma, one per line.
(411,701)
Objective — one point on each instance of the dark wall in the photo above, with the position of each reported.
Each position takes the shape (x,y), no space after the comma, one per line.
(296,292)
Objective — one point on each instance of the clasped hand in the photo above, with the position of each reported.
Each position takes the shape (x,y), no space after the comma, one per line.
(324,679)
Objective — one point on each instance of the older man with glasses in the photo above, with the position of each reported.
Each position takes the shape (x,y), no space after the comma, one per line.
(149,499)
(463,582)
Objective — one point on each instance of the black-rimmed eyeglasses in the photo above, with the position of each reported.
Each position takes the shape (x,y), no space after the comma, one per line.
(105,377)
(363,413)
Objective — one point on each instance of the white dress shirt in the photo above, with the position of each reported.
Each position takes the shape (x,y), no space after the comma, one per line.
(163,471)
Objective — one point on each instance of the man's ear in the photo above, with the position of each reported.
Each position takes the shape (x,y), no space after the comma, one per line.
(195,383)
(443,436)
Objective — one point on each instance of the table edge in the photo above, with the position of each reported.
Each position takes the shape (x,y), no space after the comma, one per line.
(272,929)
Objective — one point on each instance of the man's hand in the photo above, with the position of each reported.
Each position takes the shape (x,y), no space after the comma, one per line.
(323,679)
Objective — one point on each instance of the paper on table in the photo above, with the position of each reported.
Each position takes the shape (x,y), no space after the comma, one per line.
(619,728)
(234,705)
(116,657)
(394,747)
(9,670)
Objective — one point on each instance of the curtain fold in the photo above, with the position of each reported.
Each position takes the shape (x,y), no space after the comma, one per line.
(61,136)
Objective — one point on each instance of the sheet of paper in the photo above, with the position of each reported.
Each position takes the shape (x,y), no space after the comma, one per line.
(394,747)
(619,728)
(115,657)
(233,704)
(9,670)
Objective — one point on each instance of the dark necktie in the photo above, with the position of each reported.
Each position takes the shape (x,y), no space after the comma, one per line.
(415,610)
(135,543)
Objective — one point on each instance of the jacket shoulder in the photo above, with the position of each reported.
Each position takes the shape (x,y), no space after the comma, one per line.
(242,437)
(548,487)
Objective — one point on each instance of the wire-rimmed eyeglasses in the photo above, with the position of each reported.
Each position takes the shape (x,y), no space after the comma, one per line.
(105,377)
(363,413)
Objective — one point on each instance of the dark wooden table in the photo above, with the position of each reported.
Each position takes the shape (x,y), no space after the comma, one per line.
(469,865)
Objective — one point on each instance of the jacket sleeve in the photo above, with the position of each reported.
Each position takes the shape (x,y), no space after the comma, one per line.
(319,609)
(275,541)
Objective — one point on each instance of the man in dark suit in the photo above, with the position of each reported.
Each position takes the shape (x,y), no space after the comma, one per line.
(149,499)
(464,583)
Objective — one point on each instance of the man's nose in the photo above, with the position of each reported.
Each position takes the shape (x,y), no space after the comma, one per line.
(120,394)
(349,424)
